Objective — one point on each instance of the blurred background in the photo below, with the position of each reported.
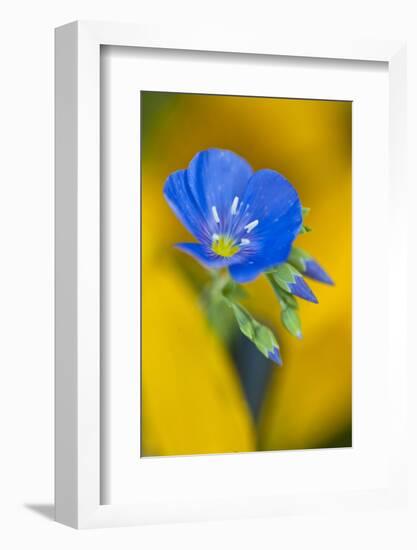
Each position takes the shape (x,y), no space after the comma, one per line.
(210,391)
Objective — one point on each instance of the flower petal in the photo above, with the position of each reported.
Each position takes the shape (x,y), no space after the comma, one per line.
(181,200)
(216,177)
(248,270)
(204,255)
(271,220)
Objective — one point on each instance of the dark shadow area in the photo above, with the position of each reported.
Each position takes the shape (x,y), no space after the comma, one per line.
(343,438)
(45,510)
(254,371)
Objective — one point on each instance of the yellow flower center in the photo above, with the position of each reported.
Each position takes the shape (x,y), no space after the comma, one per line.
(224,246)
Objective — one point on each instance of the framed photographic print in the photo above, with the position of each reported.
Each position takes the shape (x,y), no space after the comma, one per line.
(228,215)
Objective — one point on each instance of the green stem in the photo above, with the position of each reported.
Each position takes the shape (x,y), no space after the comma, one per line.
(220,278)
(279,292)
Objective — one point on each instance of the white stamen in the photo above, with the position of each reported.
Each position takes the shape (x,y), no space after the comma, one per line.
(233,208)
(244,241)
(215,237)
(215,214)
(251,225)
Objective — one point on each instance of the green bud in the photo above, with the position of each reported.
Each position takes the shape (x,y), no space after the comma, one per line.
(298,258)
(291,320)
(284,275)
(285,298)
(258,334)
(290,279)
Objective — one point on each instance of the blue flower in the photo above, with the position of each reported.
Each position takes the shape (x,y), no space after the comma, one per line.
(243,220)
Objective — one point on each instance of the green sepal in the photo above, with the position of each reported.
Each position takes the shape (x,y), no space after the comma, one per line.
(285,298)
(298,258)
(305,228)
(258,334)
(289,306)
(284,274)
(291,321)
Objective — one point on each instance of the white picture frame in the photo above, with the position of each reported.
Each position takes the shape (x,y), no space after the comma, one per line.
(78,321)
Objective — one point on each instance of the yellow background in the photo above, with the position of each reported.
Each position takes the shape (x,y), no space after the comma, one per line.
(192,400)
